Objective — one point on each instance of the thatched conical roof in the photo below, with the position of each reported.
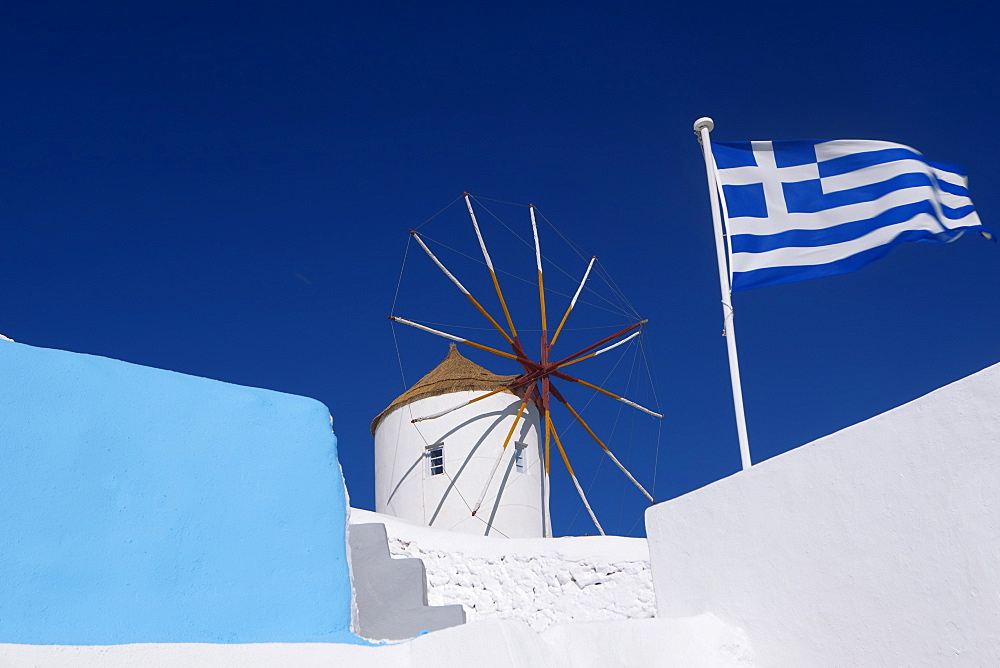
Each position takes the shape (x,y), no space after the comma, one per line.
(456,373)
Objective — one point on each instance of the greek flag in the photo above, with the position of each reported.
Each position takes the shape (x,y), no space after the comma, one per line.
(804,209)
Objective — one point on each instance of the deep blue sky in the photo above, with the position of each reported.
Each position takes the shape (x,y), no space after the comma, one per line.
(225,189)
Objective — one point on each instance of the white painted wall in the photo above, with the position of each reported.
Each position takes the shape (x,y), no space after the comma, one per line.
(473,439)
(538,581)
(878,545)
(701,642)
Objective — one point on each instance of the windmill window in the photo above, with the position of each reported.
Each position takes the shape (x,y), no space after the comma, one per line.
(519,456)
(435,459)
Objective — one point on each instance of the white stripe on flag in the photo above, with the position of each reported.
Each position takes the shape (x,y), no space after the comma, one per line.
(796,256)
(873,174)
(829,217)
(838,148)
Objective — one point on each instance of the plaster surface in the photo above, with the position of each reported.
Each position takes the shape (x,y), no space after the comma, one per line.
(878,545)
(141,505)
(515,504)
(539,581)
(700,642)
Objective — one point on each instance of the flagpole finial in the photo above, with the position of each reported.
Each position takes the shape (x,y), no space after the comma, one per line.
(703,122)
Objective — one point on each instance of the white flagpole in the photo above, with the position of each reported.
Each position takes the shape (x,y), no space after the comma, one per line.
(702,127)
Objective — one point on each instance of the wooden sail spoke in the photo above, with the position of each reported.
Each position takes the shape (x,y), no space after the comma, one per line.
(572,475)
(465,291)
(572,302)
(546,487)
(546,480)
(601,443)
(506,441)
(541,281)
(602,350)
(548,450)
(519,382)
(462,405)
(452,337)
(625,401)
(489,265)
(600,343)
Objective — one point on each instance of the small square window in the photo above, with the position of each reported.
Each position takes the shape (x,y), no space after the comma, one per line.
(435,459)
(519,465)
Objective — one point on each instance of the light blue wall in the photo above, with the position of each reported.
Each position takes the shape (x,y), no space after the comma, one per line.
(140,505)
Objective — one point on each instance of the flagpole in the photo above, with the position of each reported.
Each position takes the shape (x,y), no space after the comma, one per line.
(702,127)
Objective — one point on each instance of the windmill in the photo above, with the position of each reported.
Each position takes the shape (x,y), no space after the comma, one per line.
(464,421)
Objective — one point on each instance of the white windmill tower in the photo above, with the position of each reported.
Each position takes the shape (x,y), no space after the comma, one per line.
(453,472)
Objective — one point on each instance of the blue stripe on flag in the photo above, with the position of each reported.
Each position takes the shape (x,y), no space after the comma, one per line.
(957,214)
(758,278)
(759,243)
(808,196)
(948,167)
(953,188)
(855,161)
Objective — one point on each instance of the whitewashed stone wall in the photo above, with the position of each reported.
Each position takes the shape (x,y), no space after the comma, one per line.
(540,581)
(878,545)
